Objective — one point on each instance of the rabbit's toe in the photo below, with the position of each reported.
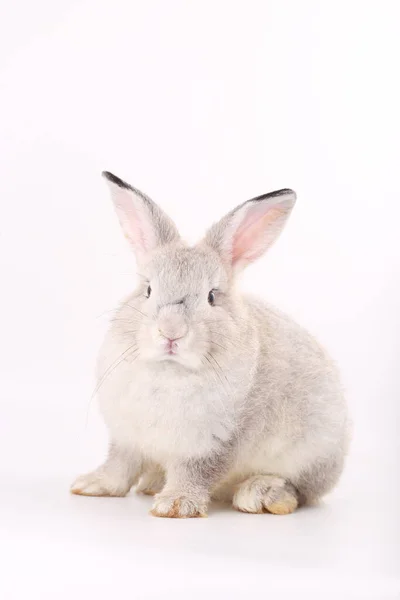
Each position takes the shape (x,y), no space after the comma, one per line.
(99,484)
(266,493)
(178,507)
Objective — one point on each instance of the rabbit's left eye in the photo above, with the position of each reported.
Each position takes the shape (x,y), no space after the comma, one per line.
(148,292)
(211,298)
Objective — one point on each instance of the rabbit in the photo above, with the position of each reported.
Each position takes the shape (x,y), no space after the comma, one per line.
(208,393)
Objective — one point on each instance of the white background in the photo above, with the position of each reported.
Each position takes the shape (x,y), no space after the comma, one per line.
(202,105)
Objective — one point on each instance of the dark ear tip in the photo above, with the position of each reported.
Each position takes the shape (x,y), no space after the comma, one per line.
(287,191)
(114,179)
(290,194)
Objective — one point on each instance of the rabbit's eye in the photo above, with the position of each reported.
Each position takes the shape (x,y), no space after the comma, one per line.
(148,292)
(211,298)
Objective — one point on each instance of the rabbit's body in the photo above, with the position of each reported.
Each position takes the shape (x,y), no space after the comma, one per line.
(283,423)
(241,403)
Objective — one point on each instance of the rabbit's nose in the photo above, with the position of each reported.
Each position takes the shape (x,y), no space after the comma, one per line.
(169,339)
(173,334)
(172,329)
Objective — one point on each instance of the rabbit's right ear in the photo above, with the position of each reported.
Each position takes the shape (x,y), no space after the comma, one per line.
(144,224)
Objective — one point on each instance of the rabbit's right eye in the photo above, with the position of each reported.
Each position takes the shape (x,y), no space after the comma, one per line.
(148,292)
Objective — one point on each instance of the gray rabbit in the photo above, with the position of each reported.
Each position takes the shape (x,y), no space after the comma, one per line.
(206,392)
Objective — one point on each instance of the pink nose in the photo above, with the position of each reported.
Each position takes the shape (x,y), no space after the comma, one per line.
(171,345)
(172,327)
(169,339)
(172,331)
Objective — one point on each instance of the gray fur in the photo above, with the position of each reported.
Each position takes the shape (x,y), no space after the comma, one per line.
(249,409)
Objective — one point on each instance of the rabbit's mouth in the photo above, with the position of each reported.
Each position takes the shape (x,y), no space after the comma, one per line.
(181,346)
(172,351)
(177,351)
(171,346)
(172,339)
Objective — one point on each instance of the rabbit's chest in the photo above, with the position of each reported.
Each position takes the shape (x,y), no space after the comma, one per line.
(165,416)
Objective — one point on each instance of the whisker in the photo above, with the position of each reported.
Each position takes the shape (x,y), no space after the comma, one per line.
(222,383)
(217,344)
(219,367)
(137,310)
(118,319)
(120,358)
(133,348)
(129,331)
(232,342)
(208,357)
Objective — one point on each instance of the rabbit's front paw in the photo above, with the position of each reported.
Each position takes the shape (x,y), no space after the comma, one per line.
(266,493)
(175,506)
(99,483)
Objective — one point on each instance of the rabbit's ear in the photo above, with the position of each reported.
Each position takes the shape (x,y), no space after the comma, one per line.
(249,230)
(144,224)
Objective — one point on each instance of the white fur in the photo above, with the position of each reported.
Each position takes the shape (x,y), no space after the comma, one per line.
(248,392)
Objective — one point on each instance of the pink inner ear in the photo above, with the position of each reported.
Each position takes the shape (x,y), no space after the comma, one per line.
(134,220)
(132,229)
(255,233)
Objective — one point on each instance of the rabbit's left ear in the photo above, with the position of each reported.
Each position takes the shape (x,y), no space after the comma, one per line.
(249,230)
(144,224)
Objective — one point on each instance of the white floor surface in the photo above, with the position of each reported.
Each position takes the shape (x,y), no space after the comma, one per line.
(55,545)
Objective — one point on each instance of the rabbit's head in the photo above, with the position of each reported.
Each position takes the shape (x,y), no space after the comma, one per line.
(185,308)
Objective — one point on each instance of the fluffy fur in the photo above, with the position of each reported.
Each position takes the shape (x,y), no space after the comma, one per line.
(213,395)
